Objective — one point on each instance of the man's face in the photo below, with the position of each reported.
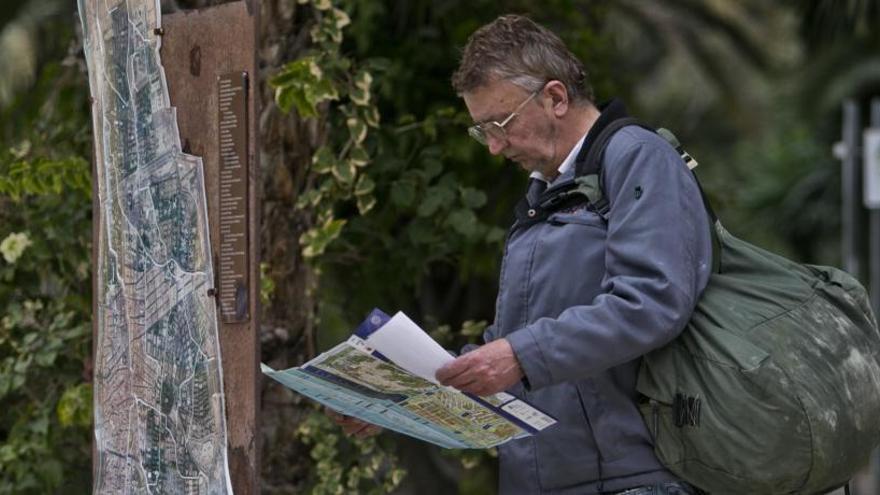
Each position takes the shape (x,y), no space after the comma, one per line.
(530,136)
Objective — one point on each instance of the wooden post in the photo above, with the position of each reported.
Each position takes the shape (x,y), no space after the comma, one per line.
(209,57)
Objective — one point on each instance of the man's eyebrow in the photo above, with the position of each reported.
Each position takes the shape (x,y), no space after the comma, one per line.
(492,118)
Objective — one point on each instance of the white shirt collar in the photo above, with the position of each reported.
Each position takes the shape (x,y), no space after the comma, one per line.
(566,164)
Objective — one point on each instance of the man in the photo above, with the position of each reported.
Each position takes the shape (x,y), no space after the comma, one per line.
(582,295)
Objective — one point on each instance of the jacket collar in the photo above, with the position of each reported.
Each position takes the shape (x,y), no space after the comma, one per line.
(609,112)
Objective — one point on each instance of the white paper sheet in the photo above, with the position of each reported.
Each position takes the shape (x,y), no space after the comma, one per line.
(408,346)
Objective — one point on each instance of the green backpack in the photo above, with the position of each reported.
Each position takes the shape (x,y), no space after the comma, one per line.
(774,385)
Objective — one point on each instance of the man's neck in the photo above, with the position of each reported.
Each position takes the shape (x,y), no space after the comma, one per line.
(575,125)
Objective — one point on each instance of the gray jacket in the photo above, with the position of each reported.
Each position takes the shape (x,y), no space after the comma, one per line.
(581,298)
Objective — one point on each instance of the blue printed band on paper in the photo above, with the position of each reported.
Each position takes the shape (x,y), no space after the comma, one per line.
(498,409)
(374,321)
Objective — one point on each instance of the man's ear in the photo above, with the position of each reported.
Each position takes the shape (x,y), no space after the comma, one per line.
(557,95)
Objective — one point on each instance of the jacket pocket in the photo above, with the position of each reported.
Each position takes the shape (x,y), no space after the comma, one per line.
(579,217)
(608,423)
(566,452)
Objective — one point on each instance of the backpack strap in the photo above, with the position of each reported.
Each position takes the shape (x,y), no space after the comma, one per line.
(593,167)
(589,172)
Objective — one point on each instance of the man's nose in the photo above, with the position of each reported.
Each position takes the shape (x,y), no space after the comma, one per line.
(495,144)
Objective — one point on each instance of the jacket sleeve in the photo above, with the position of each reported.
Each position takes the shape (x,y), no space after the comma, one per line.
(657,262)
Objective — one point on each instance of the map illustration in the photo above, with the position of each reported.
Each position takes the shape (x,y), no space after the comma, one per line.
(160,424)
(357,380)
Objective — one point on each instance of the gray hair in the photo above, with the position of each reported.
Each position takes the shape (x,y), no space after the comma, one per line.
(516,49)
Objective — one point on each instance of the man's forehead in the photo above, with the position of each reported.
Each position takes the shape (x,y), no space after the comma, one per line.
(493,101)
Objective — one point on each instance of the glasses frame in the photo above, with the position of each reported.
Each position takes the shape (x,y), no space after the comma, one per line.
(481,131)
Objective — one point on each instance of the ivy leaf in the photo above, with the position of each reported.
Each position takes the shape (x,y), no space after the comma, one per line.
(371,116)
(288,97)
(432,167)
(365,185)
(345,172)
(308,198)
(298,71)
(435,198)
(403,193)
(446,112)
(357,128)
(323,160)
(359,97)
(75,406)
(472,328)
(464,222)
(359,157)
(422,232)
(429,126)
(316,240)
(365,203)
(302,84)
(340,18)
(363,80)
(46,357)
(495,235)
(472,198)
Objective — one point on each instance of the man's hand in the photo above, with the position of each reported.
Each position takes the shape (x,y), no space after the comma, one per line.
(490,369)
(353,426)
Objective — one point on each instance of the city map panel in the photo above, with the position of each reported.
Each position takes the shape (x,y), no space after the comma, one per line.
(160,424)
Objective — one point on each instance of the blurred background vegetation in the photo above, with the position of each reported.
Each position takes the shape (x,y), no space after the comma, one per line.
(407,212)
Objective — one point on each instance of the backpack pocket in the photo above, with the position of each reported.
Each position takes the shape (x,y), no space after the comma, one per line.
(718,417)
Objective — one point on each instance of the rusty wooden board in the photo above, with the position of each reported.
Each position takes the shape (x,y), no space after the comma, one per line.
(198,47)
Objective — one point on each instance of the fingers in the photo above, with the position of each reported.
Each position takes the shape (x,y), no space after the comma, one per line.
(368,431)
(360,429)
(451,370)
(466,382)
(484,371)
(335,416)
(352,426)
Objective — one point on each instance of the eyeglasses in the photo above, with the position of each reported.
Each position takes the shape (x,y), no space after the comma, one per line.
(482,131)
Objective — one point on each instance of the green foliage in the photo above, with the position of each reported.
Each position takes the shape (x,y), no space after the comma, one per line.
(347,465)
(42,176)
(44,341)
(471,330)
(301,84)
(45,284)
(791,173)
(308,84)
(267,285)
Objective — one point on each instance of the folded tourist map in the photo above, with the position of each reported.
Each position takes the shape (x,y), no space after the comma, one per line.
(384,374)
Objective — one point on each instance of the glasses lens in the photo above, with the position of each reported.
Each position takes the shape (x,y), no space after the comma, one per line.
(482,132)
(476,132)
